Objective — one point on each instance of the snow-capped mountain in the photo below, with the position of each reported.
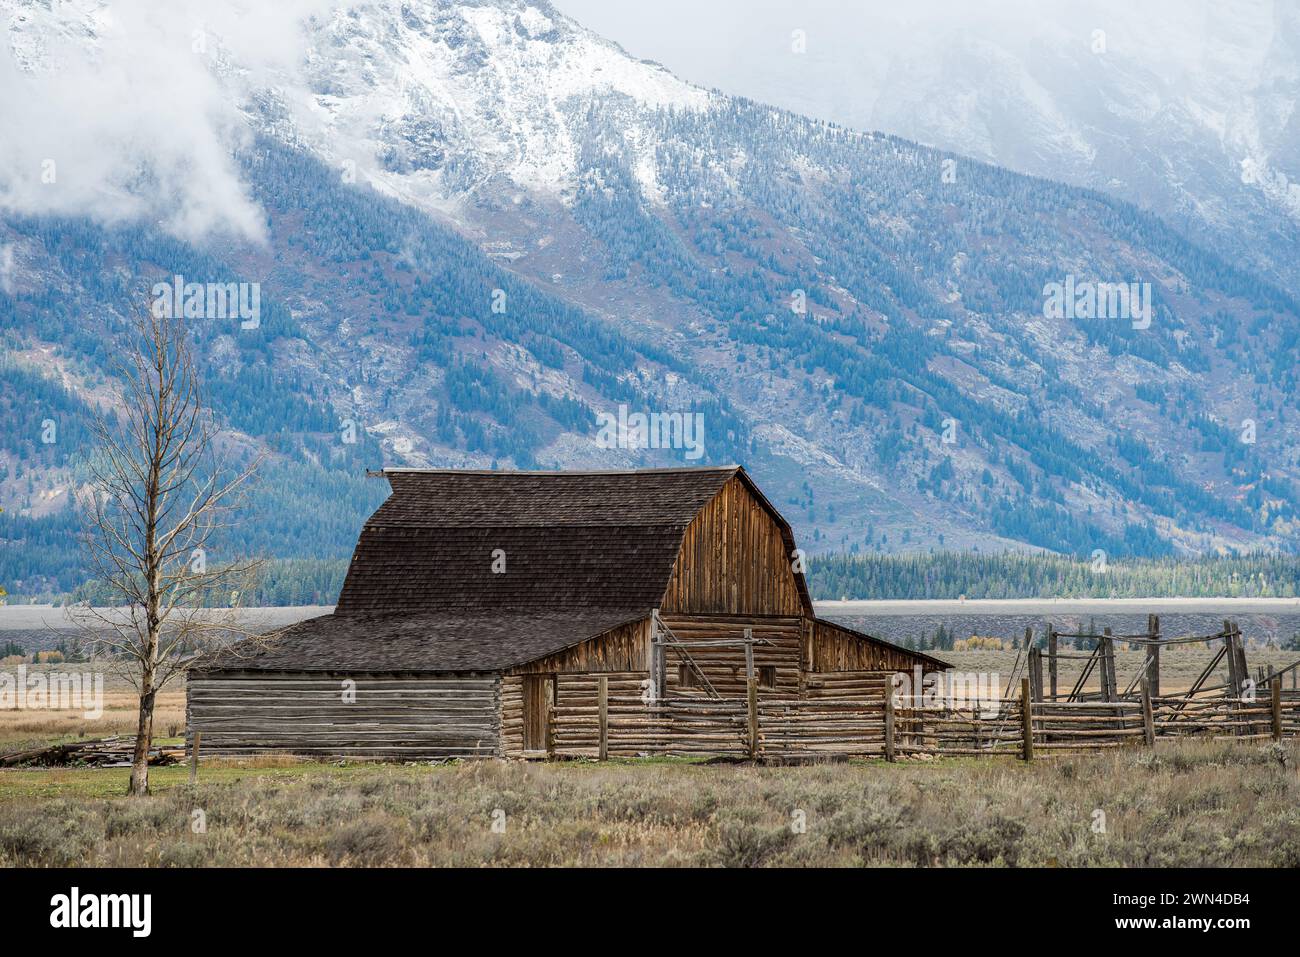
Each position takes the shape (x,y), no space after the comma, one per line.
(1207,139)
(478,228)
(1184,107)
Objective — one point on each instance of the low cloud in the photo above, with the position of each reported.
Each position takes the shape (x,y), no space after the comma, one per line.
(7,269)
(130,110)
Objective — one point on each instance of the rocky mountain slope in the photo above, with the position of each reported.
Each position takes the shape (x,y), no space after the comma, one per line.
(476,228)
(1187,108)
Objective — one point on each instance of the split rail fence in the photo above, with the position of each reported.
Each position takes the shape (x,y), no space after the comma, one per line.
(629,727)
(873,725)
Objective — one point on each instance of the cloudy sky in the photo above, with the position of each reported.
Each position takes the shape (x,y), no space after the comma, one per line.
(148,101)
(76,133)
(853,47)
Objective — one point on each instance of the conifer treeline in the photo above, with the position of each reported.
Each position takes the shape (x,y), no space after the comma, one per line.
(1020,575)
(941,575)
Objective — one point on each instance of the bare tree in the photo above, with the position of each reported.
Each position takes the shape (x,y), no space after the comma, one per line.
(156,498)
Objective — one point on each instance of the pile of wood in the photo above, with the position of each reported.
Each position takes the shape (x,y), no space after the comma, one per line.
(114,752)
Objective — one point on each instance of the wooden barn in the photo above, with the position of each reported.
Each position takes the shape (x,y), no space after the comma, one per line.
(477,604)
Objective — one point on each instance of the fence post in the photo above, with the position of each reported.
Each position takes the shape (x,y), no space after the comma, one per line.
(889,722)
(1036,672)
(1110,691)
(603,696)
(1151,669)
(194,758)
(550,730)
(1243,668)
(751,693)
(1027,719)
(1153,655)
(1051,658)
(1276,685)
(1234,677)
(1148,717)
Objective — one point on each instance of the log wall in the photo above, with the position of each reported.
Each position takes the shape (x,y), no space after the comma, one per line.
(625,648)
(392,717)
(834,685)
(725,667)
(512,716)
(571,691)
(838,649)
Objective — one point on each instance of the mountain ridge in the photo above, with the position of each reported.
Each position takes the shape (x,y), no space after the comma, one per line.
(658,268)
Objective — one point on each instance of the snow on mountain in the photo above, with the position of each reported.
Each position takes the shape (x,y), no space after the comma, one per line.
(426,100)
(1184,107)
(433,100)
(1180,110)
(664,232)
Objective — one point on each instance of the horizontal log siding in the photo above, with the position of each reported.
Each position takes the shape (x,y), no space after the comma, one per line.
(625,648)
(410,718)
(512,716)
(846,684)
(838,649)
(577,701)
(733,560)
(571,691)
(725,667)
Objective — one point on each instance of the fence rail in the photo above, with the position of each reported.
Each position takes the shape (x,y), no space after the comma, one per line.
(688,726)
(873,725)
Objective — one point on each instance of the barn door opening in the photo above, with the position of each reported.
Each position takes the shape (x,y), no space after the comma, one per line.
(539,695)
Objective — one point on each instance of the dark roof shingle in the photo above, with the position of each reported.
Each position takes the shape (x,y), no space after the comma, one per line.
(569,540)
(430,643)
(584,552)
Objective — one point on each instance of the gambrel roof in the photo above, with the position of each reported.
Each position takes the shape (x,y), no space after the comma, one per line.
(567,540)
(583,553)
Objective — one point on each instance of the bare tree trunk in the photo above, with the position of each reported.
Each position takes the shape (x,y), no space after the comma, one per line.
(155,501)
(143,739)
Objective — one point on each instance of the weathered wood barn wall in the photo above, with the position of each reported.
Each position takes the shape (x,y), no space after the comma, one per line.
(382,716)
(477,603)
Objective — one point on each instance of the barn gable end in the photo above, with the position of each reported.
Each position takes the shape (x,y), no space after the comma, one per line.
(736,559)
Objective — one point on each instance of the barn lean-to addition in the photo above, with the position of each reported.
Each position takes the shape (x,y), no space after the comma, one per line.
(478,602)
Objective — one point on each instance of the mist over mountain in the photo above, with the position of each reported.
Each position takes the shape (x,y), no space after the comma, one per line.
(479,230)
(1184,107)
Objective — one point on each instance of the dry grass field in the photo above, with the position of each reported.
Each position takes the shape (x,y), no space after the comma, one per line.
(1179,665)
(21,729)
(1186,803)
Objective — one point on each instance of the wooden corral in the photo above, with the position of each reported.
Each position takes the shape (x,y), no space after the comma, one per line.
(1055,714)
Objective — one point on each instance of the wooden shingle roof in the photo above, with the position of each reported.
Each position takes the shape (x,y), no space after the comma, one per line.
(566,540)
(583,553)
(386,644)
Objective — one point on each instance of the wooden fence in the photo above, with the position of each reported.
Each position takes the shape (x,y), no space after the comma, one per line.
(872,725)
(1004,727)
(628,727)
